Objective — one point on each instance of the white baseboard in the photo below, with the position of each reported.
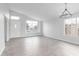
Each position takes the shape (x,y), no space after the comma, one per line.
(2,50)
(62,40)
(25,37)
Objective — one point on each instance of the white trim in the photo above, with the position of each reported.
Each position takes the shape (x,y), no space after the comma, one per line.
(62,40)
(2,50)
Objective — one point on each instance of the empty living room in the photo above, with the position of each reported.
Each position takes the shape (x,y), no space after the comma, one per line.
(39,29)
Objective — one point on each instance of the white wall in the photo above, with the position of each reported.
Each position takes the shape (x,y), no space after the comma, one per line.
(55,29)
(2,36)
(15,31)
(20,31)
(4,12)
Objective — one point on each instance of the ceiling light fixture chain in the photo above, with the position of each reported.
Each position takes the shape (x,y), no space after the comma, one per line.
(65,5)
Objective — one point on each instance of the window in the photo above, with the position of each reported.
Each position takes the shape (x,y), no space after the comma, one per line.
(72,26)
(31,25)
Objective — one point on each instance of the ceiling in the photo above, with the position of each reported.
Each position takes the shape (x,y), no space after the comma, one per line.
(44,11)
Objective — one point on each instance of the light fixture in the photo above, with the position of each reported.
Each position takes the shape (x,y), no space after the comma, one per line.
(15,18)
(65,13)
